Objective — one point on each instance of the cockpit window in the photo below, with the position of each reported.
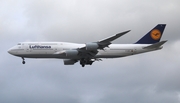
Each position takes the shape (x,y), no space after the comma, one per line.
(19,44)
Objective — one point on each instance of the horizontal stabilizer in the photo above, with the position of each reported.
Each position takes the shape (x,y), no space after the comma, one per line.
(156,45)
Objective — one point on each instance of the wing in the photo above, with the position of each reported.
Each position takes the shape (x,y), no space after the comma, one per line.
(87,53)
(91,49)
(105,42)
(101,44)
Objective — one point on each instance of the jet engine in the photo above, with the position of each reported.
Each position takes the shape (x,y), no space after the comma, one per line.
(69,62)
(91,46)
(71,53)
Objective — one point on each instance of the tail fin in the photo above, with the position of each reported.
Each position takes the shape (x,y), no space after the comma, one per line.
(153,36)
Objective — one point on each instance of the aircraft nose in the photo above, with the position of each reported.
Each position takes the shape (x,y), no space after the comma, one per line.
(10,51)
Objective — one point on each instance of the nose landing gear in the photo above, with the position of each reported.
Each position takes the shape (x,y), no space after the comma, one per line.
(23,62)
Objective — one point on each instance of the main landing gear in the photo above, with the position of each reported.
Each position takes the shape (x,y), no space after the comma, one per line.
(23,62)
(84,62)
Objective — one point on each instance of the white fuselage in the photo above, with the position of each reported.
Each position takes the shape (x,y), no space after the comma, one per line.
(54,49)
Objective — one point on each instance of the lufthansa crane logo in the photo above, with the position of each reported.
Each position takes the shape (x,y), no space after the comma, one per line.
(155,34)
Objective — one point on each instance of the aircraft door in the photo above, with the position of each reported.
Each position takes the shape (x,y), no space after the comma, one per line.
(55,49)
(134,51)
(27,49)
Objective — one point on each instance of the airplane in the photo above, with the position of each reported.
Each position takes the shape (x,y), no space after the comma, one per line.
(90,52)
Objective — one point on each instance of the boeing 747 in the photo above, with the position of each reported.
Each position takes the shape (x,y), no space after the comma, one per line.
(87,53)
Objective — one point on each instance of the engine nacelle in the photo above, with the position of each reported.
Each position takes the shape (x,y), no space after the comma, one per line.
(69,62)
(71,53)
(92,46)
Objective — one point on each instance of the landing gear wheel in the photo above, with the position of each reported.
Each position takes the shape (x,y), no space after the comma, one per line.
(83,65)
(23,62)
(82,62)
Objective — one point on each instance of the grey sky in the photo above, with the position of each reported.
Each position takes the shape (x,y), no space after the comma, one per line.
(151,77)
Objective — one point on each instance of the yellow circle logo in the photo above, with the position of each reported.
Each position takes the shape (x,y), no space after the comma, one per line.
(155,34)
